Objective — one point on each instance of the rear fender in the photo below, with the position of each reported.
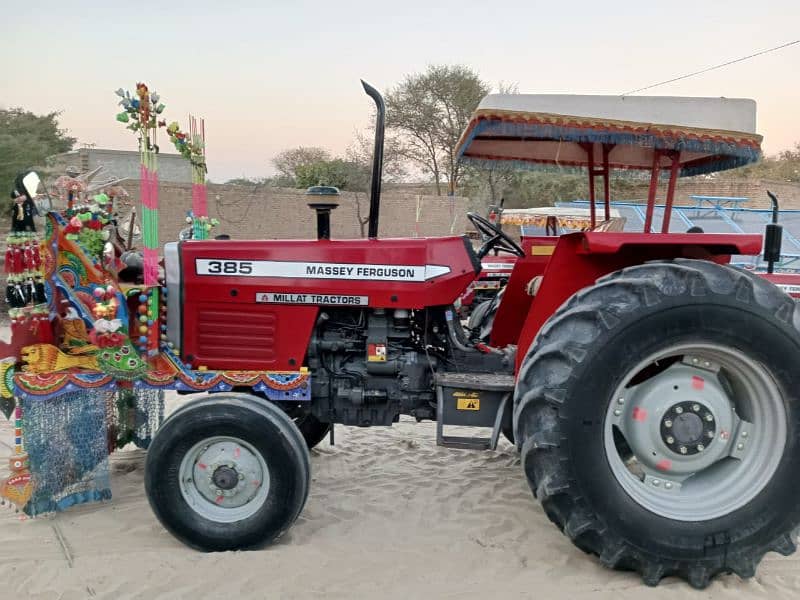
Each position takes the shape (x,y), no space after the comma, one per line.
(580,259)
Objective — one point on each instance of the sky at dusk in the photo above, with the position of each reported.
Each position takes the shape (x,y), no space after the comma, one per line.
(272,75)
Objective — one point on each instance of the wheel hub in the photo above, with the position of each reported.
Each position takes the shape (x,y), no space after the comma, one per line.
(687,428)
(671,421)
(225,477)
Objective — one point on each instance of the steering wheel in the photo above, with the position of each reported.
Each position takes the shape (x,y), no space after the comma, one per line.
(493,237)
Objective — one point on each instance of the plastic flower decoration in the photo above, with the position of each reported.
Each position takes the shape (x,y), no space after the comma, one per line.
(139,110)
(191,149)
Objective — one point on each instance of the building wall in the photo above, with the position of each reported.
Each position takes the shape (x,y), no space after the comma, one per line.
(259,212)
(121,164)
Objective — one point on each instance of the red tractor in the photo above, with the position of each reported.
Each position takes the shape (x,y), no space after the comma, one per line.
(652,393)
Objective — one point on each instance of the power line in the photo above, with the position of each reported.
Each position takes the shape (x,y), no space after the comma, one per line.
(725,64)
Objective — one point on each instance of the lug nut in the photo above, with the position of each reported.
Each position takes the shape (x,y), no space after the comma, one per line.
(620,400)
(744,434)
(656,482)
(668,485)
(695,407)
(695,361)
(617,412)
(670,440)
(706,364)
(679,409)
(710,435)
(700,447)
(740,446)
(667,423)
(683,450)
(709,417)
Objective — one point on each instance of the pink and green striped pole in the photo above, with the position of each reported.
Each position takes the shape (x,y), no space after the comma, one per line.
(149,197)
(140,113)
(197,158)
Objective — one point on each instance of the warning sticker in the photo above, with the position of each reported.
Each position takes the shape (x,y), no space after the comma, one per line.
(486,285)
(334,299)
(468,404)
(376,353)
(497,266)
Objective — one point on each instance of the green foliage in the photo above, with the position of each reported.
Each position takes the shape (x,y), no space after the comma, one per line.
(288,161)
(528,189)
(340,173)
(26,140)
(783,167)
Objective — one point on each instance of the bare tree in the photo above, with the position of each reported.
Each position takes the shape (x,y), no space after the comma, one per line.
(360,153)
(362,219)
(429,111)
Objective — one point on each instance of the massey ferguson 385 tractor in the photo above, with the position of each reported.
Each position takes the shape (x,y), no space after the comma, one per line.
(652,393)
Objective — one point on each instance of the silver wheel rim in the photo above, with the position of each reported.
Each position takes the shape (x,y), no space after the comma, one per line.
(700,438)
(224,479)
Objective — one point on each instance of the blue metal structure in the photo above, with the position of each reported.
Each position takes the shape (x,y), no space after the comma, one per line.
(714,214)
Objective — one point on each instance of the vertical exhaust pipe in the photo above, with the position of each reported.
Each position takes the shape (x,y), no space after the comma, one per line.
(377,159)
(773,237)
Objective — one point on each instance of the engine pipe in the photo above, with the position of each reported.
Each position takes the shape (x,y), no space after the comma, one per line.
(377,159)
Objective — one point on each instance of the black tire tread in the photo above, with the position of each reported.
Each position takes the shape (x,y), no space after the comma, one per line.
(563,343)
(259,409)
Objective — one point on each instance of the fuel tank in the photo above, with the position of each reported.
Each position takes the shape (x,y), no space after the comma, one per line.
(252,304)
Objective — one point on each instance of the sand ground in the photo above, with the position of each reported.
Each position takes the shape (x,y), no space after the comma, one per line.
(390,515)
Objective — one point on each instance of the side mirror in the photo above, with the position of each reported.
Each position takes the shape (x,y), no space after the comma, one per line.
(31,183)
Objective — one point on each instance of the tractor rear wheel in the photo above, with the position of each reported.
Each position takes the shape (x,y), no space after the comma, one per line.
(226,472)
(657,418)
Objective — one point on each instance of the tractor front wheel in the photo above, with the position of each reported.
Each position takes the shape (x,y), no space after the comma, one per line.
(226,472)
(312,429)
(657,416)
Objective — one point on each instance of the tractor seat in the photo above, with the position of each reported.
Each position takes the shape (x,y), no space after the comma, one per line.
(533,285)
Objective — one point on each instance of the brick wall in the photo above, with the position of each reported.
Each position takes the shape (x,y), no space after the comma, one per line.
(257,212)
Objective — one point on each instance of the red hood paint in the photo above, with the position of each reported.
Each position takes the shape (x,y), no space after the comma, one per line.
(252,304)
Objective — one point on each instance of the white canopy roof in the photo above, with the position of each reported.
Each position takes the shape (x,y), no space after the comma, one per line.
(631,132)
(723,114)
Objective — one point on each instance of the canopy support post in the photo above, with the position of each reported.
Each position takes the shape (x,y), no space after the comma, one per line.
(673,179)
(589,148)
(651,194)
(605,171)
(606,176)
